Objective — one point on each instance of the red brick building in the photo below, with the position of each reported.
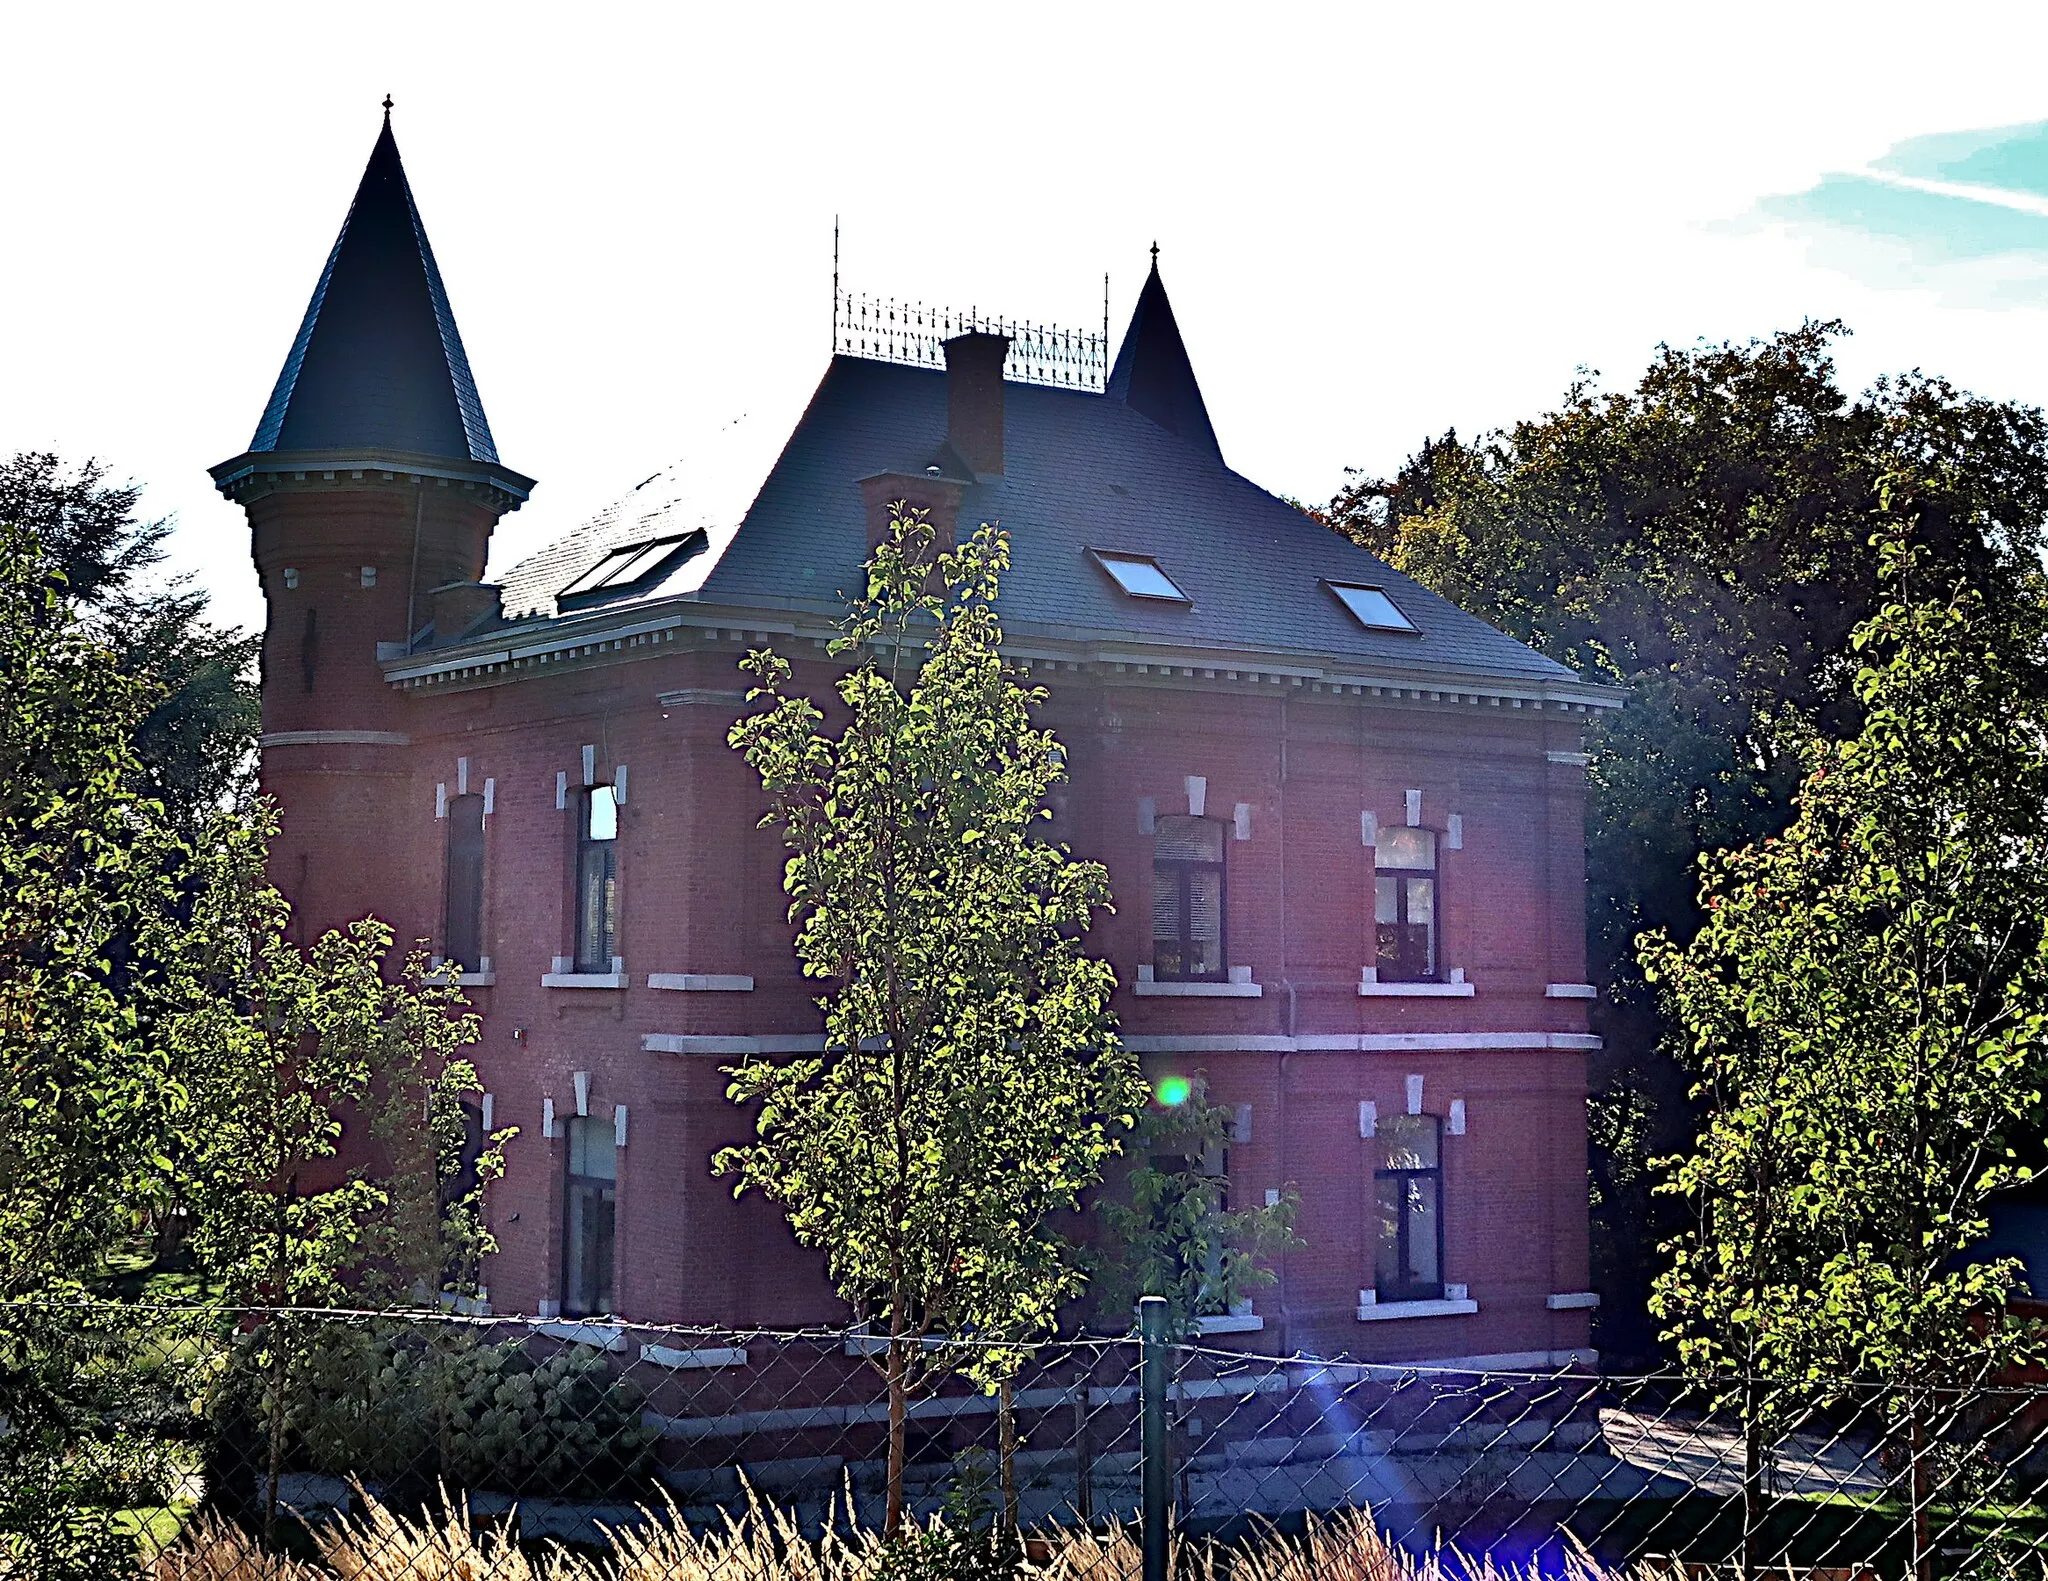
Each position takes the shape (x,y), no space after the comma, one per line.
(1344,818)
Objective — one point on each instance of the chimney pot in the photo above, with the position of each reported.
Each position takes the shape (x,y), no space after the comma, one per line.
(974,399)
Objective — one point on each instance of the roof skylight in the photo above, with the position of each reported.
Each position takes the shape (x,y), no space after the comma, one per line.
(634,562)
(1139,576)
(1373,609)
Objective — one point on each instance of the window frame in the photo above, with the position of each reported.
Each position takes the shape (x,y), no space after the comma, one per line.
(584,849)
(457,811)
(606,1192)
(1433,1175)
(1389,970)
(1184,868)
(1338,588)
(1107,560)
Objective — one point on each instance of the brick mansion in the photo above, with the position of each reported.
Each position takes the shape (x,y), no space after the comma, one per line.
(1343,818)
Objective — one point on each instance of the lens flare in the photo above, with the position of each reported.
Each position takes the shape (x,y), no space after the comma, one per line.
(1174,1091)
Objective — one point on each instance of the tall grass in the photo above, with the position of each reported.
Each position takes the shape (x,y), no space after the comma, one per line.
(764,1544)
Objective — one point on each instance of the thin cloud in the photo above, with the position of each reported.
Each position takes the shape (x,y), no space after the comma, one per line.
(1962,213)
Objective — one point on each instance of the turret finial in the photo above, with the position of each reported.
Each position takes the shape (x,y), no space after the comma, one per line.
(387,122)
(1155,255)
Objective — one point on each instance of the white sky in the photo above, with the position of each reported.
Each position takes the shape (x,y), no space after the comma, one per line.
(1375,220)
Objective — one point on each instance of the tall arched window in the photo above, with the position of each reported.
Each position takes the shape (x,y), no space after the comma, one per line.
(1187,900)
(1408,1190)
(590,1206)
(597,881)
(463,910)
(1404,905)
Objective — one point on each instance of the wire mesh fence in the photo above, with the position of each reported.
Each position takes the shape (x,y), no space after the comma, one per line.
(187,1443)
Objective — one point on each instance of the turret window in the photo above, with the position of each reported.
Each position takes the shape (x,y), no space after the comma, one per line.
(463,907)
(597,880)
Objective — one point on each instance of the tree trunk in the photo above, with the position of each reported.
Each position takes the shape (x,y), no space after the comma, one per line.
(1752,1480)
(1006,1416)
(274,1464)
(892,1510)
(1921,1486)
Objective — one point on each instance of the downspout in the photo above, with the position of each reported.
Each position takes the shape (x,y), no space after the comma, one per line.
(1286,1052)
(412,586)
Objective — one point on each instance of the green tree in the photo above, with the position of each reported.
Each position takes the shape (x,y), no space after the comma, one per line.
(1703,538)
(98,890)
(1866,1008)
(1175,1235)
(973,1086)
(298,1047)
(195,743)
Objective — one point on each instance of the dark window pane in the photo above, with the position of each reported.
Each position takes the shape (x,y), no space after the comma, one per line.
(462,925)
(1165,903)
(1205,921)
(590,1206)
(1188,839)
(1408,1209)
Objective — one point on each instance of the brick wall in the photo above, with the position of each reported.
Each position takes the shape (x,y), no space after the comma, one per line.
(700,893)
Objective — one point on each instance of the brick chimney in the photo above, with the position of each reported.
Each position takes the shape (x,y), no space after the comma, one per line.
(974,399)
(460,607)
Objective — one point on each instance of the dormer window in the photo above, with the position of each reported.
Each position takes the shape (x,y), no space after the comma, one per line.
(1139,576)
(631,564)
(1371,607)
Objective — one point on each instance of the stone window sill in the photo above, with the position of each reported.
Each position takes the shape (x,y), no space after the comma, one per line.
(1570,991)
(439,972)
(1572,1301)
(1231,1323)
(678,1360)
(1146,989)
(1393,1311)
(605,1336)
(1371,990)
(583,980)
(700,983)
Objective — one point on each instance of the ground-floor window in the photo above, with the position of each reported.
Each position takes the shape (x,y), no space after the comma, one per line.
(1408,1188)
(589,1217)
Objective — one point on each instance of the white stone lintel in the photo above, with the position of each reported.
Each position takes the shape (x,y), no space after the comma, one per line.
(700,982)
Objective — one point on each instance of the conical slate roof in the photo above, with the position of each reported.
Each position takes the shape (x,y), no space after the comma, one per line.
(378,363)
(1153,375)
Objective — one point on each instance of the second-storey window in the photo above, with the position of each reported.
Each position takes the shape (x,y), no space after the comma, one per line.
(1404,905)
(597,881)
(1408,1189)
(463,912)
(589,1209)
(1187,899)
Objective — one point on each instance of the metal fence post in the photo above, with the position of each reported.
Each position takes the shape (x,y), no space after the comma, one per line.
(1158,1474)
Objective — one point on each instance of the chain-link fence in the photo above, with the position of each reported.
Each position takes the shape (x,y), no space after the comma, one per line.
(187,1443)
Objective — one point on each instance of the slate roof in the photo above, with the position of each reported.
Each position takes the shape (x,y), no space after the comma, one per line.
(378,362)
(1082,471)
